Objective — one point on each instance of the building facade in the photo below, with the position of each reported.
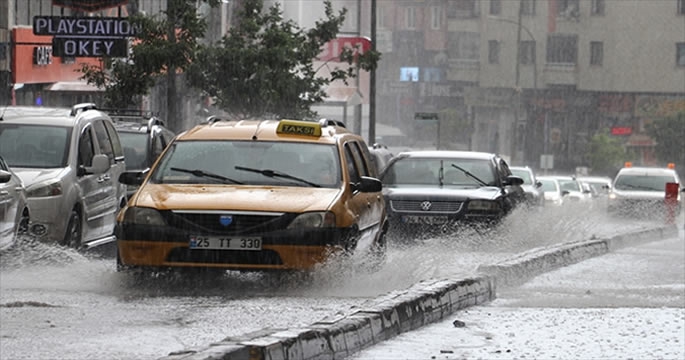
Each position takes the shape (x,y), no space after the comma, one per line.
(530,77)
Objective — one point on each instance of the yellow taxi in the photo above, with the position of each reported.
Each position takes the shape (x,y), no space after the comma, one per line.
(254,195)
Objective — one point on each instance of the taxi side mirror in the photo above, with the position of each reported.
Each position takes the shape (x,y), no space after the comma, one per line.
(99,166)
(5,176)
(368,184)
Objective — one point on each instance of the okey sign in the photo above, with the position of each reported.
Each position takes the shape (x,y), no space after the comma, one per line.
(86,36)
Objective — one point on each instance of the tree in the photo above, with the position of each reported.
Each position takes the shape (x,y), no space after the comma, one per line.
(669,132)
(264,66)
(605,153)
(165,45)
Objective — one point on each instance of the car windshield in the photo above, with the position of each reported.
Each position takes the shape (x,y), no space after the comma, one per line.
(250,163)
(569,185)
(643,182)
(34,146)
(548,185)
(135,149)
(523,174)
(411,171)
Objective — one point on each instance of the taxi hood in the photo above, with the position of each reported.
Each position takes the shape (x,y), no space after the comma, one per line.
(238,197)
(434,192)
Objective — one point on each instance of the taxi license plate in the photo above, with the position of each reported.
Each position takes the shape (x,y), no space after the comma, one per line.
(226,243)
(427,220)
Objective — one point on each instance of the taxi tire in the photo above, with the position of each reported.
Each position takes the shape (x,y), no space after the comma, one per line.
(24,222)
(74,231)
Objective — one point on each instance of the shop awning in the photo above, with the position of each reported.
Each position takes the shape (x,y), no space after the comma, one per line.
(72,86)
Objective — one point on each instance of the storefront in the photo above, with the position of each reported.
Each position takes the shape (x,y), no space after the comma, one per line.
(40,78)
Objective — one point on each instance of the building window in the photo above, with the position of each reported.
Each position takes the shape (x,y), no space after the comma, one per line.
(527,52)
(493,52)
(495,7)
(598,7)
(596,52)
(527,7)
(568,8)
(464,45)
(562,49)
(410,17)
(681,7)
(436,17)
(462,9)
(680,54)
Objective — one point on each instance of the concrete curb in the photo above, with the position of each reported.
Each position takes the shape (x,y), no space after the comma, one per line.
(397,312)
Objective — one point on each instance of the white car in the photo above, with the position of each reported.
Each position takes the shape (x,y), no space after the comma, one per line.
(69,159)
(551,191)
(14,211)
(641,191)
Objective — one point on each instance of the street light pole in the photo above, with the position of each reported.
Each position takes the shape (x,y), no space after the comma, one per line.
(517,88)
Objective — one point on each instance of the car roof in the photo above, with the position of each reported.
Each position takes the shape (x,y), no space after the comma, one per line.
(647,171)
(56,116)
(447,154)
(595,178)
(264,130)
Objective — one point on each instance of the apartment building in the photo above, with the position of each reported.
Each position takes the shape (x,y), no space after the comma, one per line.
(532,77)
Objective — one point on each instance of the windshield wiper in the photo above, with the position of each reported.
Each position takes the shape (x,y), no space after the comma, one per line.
(207,174)
(441,174)
(272,173)
(474,177)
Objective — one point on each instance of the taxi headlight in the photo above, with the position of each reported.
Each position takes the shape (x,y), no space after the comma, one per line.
(143,216)
(318,219)
(483,205)
(45,189)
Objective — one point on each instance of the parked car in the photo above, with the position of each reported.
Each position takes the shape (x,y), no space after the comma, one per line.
(601,184)
(252,196)
(531,185)
(641,191)
(143,137)
(70,160)
(14,211)
(551,191)
(434,189)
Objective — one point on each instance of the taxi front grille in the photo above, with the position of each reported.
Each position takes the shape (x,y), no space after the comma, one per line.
(426,206)
(226,222)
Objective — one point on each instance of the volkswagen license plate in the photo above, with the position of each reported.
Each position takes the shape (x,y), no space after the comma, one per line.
(427,220)
(226,242)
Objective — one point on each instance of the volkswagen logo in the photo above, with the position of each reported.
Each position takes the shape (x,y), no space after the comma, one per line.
(226,220)
(426,205)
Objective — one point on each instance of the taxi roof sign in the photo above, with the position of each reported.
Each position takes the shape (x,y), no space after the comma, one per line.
(298,127)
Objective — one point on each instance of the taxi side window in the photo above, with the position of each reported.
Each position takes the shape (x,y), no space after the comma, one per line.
(116,143)
(366,159)
(362,166)
(85,148)
(351,166)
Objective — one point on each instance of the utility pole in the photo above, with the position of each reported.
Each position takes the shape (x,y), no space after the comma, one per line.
(372,80)
(517,87)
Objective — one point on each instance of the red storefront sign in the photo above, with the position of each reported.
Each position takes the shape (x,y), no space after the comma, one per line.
(32,63)
(331,50)
(621,130)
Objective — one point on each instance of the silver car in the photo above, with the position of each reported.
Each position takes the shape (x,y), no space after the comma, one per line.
(69,161)
(14,211)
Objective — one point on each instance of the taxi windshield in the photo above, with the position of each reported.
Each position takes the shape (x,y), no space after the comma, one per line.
(250,163)
(34,146)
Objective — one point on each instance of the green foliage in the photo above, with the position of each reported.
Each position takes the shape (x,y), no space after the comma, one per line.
(264,66)
(669,134)
(165,42)
(605,153)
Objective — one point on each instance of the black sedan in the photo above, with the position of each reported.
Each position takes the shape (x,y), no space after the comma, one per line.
(428,190)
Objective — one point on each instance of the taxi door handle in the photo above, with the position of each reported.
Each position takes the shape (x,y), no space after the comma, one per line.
(4,192)
(104,178)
